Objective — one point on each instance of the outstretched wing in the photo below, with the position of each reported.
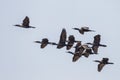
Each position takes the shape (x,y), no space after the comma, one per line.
(78,44)
(62,39)
(76,57)
(63,36)
(87,52)
(95,49)
(96,39)
(26,21)
(100,67)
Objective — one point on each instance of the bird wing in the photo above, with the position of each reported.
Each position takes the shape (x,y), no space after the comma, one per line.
(81,49)
(26,21)
(62,39)
(95,49)
(100,66)
(85,46)
(71,40)
(78,53)
(96,39)
(78,44)
(86,54)
(76,57)
(63,35)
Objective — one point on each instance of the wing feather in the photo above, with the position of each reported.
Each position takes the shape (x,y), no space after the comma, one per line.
(26,21)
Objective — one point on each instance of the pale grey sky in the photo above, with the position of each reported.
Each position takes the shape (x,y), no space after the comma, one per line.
(22,59)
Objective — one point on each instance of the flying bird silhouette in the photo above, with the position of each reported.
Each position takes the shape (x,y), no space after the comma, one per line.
(25,23)
(102,63)
(96,43)
(44,42)
(82,30)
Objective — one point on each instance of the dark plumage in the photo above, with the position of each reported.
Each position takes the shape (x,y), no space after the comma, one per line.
(25,23)
(102,63)
(83,29)
(88,51)
(71,40)
(80,50)
(62,39)
(45,42)
(77,54)
(78,44)
(96,43)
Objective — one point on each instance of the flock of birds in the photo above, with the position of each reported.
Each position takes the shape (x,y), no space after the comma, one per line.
(80,49)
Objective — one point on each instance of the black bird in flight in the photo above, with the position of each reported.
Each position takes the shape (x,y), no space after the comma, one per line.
(83,29)
(25,23)
(96,43)
(44,42)
(102,63)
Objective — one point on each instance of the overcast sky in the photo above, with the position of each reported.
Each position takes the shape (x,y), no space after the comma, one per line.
(22,59)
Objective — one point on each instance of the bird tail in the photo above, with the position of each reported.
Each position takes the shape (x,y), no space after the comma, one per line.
(92,30)
(32,27)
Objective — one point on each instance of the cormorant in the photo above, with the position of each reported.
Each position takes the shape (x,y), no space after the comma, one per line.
(96,43)
(25,23)
(44,42)
(102,63)
(83,29)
